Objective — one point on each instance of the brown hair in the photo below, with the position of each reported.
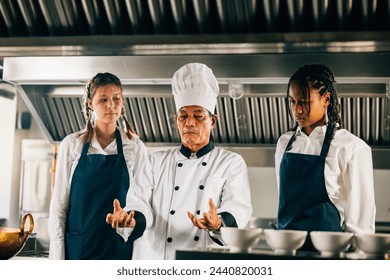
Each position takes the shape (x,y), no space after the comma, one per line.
(100,80)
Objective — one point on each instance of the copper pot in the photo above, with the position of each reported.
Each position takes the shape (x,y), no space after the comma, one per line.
(12,240)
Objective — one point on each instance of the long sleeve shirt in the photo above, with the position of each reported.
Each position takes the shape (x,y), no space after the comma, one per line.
(69,153)
(348,174)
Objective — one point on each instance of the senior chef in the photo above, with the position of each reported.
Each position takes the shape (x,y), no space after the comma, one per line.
(189,192)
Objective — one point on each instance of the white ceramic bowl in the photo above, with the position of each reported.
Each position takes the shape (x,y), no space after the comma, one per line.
(240,240)
(373,244)
(331,243)
(285,242)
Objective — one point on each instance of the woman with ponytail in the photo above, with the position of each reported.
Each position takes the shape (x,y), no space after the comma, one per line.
(324,173)
(94,167)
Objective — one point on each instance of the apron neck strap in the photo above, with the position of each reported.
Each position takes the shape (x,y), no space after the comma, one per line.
(292,139)
(325,145)
(119,145)
(118,139)
(327,140)
(85,148)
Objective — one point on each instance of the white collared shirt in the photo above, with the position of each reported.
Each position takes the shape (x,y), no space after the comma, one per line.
(348,174)
(69,153)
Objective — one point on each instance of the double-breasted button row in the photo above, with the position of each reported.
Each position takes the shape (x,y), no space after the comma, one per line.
(201,187)
(181,164)
(170,239)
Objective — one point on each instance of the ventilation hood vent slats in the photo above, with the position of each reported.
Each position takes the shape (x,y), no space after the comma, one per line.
(256,119)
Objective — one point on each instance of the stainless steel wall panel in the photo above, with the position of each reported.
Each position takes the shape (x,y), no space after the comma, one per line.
(145,119)
(274,119)
(238,119)
(134,116)
(248,119)
(366,119)
(258,136)
(45,107)
(265,119)
(220,133)
(284,123)
(65,117)
(356,124)
(78,114)
(346,112)
(152,116)
(385,128)
(230,120)
(375,124)
(55,115)
(161,120)
(170,116)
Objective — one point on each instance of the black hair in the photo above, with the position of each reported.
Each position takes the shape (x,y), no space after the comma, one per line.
(321,78)
(101,80)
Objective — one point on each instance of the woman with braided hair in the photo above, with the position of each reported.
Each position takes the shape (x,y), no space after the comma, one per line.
(324,173)
(95,166)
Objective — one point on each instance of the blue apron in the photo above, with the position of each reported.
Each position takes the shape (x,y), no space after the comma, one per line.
(97,180)
(304,203)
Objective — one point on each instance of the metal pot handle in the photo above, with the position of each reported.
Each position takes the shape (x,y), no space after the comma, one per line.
(24,221)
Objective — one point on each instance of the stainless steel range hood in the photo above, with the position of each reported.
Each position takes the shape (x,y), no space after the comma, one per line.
(52,88)
(49,49)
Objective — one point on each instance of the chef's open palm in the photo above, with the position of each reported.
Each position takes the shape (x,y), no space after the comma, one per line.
(210,220)
(120,218)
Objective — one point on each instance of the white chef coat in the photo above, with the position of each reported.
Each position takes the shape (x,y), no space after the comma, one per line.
(181,184)
(69,153)
(348,174)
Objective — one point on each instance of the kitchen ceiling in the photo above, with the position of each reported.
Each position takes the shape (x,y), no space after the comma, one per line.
(49,49)
(170,27)
(32,18)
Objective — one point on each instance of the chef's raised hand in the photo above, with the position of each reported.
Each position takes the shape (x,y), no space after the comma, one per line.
(210,220)
(120,218)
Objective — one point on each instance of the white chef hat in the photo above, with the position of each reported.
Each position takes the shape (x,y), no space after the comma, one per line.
(195,84)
